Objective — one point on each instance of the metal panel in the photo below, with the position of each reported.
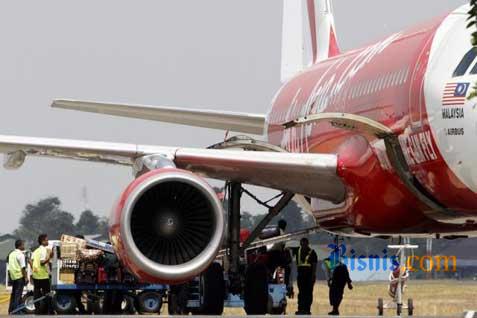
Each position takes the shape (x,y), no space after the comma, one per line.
(214,119)
(309,174)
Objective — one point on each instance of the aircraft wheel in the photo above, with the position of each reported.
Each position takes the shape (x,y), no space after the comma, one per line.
(256,290)
(380,307)
(213,290)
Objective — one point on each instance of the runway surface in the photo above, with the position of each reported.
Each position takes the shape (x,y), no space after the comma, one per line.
(469,314)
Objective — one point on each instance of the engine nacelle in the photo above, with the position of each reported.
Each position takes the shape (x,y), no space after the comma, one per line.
(167,226)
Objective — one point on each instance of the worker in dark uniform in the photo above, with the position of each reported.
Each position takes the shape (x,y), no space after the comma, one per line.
(306,261)
(339,280)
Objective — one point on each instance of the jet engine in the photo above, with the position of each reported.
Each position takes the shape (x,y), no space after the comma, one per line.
(167,226)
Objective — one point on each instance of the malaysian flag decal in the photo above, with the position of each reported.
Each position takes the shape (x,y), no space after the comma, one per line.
(455,94)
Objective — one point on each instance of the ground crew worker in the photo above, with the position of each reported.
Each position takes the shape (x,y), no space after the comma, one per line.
(339,280)
(18,274)
(41,277)
(306,261)
(280,256)
(328,270)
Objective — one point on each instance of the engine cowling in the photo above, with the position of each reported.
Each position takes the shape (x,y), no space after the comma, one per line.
(167,226)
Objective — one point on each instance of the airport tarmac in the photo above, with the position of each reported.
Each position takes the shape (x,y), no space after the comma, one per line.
(471,314)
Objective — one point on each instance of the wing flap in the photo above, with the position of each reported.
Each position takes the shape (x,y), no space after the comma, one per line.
(223,120)
(313,175)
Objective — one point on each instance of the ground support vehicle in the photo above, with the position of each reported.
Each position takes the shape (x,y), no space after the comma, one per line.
(140,298)
(135,297)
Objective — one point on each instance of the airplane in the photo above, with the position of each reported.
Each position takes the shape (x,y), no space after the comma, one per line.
(384,132)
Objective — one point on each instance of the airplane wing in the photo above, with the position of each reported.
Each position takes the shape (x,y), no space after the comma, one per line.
(314,175)
(238,122)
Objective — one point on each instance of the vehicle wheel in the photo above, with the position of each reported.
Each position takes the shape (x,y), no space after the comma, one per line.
(256,290)
(149,302)
(380,307)
(29,305)
(282,310)
(410,307)
(127,305)
(399,309)
(64,304)
(213,290)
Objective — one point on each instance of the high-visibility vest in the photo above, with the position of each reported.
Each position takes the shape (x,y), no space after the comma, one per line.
(14,267)
(39,271)
(306,262)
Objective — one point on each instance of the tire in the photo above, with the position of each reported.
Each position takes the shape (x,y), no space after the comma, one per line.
(399,309)
(64,304)
(282,310)
(256,290)
(410,307)
(29,305)
(380,307)
(127,306)
(213,291)
(149,303)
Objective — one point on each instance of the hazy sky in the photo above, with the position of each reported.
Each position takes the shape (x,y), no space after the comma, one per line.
(205,54)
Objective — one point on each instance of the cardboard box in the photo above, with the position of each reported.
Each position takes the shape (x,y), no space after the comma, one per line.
(67,278)
(69,250)
(71,239)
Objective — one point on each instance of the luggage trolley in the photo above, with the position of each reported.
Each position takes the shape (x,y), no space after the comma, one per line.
(397,282)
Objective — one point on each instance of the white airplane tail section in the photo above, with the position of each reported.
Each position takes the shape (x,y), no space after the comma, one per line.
(308,35)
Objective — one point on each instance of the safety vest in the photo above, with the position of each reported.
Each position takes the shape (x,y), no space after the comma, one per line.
(306,262)
(14,266)
(39,271)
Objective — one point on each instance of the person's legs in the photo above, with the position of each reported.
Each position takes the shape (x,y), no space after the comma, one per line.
(13,296)
(20,284)
(300,283)
(336,296)
(310,299)
(45,304)
(308,295)
(36,295)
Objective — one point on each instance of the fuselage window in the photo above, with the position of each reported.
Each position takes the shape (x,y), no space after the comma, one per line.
(473,71)
(465,63)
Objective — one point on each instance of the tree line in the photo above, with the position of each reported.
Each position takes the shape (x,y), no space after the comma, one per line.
(47,216)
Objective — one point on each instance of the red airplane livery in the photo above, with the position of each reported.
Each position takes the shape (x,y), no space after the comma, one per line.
(385,132)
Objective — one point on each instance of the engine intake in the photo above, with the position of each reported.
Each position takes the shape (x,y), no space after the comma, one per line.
(168,226)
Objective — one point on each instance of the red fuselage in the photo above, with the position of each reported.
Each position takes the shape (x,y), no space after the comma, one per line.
(385,82)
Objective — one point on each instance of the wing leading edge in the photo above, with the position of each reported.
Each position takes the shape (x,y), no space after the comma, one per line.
(313,175)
